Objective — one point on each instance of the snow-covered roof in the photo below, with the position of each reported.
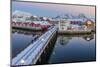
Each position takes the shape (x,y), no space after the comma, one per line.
(42,22)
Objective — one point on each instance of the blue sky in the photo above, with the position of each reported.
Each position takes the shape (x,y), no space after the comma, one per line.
(52,10)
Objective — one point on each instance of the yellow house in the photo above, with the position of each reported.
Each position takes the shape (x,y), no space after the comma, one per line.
(89,23)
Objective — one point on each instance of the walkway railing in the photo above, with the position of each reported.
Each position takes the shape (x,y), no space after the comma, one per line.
(31,54)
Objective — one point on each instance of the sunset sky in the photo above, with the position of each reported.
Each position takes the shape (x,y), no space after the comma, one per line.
(52,10)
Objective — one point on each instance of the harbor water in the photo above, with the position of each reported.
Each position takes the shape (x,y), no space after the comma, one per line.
(67,48)
(74,48)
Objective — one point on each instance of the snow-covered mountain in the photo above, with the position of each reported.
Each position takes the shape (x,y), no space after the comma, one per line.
(64,16)
(21,14)
(70,16)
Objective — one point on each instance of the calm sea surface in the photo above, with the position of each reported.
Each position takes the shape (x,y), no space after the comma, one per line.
(73,48)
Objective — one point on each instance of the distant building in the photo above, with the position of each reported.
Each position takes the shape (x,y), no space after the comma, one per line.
(64,25)
(89,24)
(75,22)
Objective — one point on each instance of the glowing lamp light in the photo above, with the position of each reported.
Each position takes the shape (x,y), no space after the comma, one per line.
(42,39)
(88,38)
(89,23)
(22,61)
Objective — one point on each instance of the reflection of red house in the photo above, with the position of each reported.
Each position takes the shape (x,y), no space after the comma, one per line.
(45,27)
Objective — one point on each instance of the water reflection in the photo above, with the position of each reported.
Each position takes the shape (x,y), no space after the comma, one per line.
(68,48)
(88,37)
(27,32)
(21,39)
(74,48)
(64,39)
